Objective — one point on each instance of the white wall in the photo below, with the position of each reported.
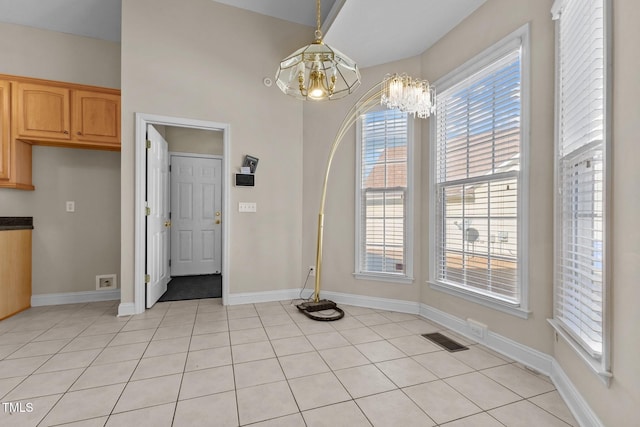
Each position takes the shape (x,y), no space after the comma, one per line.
(69,250)
(203,60)
(197,141)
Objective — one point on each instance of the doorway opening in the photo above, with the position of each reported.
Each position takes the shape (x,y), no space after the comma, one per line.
(192,146)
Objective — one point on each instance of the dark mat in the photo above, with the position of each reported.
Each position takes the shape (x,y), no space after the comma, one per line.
(193,287)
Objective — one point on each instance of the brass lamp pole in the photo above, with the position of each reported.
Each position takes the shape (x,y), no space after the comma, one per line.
(395,92)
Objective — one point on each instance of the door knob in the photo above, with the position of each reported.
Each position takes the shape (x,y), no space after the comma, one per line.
(217,221)
(167,223)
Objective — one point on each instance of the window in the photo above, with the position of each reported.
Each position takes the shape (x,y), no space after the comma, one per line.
(383,196)
(581,176)
(479,223)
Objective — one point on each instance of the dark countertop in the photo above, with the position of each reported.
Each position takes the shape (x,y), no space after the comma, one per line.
(16,223)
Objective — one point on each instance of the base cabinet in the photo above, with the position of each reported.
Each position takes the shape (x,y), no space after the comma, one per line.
(15,271)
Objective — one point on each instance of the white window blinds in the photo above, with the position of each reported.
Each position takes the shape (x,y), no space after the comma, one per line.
(580,172)
(477,162)
(383,193)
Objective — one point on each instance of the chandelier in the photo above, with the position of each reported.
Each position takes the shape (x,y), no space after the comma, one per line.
(317,71)
(404,93)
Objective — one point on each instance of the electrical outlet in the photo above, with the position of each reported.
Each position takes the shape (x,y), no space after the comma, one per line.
(70,206)
(312,270)
(477,329)
(106,281)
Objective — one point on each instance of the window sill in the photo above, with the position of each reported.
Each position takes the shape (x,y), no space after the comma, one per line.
(485,301)
(594,364)
(391,278)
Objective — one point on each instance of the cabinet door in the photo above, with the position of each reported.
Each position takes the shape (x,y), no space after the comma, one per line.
(96,117)
(43,112)
(5,136)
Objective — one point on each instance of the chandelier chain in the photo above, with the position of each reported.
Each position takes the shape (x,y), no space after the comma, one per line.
(318,30)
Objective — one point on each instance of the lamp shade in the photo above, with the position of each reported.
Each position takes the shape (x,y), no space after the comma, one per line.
(317,72)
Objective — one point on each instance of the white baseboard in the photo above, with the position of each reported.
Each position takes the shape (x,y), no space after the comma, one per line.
(579,407)
(126,309)
(74,297)
(258,297)
(534,359)
(373,302)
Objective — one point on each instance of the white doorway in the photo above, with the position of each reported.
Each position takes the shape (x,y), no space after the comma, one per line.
(196,214)
(141,253)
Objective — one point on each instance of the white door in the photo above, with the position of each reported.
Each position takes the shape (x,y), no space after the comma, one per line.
(157,216)
(196,215)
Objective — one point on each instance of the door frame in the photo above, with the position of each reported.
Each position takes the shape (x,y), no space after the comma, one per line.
(141,122)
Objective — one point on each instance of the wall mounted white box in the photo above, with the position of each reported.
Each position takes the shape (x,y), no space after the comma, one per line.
(247,207)
(106,281)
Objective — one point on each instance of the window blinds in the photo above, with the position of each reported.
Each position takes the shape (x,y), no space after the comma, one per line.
(580,171)
(383,192)
(478,125)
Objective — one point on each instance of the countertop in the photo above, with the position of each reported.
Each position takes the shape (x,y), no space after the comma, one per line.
(16,223)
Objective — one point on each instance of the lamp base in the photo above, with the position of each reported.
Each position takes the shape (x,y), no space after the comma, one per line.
(310,307)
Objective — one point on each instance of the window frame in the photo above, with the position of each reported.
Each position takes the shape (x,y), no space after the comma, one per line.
(407,277)
(601,365)
(490,55)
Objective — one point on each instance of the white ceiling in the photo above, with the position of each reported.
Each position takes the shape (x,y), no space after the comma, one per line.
(371,32)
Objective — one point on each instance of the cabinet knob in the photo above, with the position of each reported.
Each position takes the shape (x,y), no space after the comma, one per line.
(79,133)
(66,132)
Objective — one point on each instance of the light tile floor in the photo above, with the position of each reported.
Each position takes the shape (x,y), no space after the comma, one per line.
(198,363)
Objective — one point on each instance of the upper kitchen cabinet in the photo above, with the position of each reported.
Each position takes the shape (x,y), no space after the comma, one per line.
(15,155)
(68,115)
(96,117)
(5,133)
(43,113)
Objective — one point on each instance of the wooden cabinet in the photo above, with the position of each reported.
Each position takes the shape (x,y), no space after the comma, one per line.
(15,270)
(96,118)
(44,112)
(5,135)
(68,117)
(15,155)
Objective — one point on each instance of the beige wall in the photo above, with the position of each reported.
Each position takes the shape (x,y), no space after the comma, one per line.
(69,249)
(198,141)
(199,59)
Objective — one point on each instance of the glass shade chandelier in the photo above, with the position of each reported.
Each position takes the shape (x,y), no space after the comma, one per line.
(317,71)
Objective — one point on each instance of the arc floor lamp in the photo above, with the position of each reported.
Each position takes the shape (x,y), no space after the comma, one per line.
(401,92)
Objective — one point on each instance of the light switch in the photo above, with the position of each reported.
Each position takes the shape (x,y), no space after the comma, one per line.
(247,207)
(71,206)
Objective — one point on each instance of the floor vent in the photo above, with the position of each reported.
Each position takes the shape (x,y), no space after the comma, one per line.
(445,342)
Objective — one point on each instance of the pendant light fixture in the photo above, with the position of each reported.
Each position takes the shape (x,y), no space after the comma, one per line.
(317,72)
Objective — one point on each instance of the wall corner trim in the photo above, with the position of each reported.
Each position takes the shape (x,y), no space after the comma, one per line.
(74,297)
(126,309)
